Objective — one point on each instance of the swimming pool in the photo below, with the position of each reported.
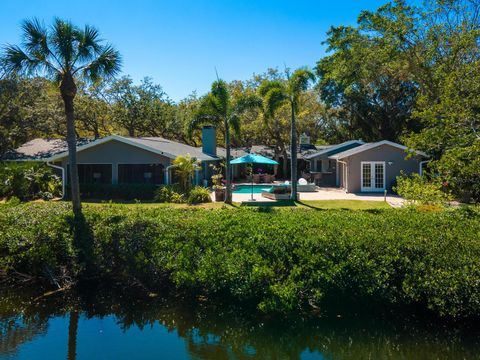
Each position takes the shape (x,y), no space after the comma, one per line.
(247,189)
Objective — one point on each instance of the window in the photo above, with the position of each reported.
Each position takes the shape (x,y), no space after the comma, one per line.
(379,169)
(140,174)
(367,175)
(93,173)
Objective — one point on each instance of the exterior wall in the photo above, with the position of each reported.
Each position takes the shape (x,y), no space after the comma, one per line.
(341,173)
(115,152)
(384,153)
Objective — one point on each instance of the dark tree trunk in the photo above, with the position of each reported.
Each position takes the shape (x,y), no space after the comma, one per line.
(285,163)
(228,170)
(72,335)
(293,155)
(276,156)
(68,91)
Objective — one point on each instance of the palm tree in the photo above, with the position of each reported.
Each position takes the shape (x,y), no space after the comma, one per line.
(185,167)
(218,108)
(276,93)
(63,53)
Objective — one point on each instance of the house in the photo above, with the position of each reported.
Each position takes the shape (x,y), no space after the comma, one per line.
(121,160)
(353,165)
(363,167)
(323,170)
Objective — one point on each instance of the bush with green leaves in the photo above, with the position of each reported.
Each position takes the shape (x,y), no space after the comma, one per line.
(280,260)
(417,189)
(199,195)
(28,181)
(169,194)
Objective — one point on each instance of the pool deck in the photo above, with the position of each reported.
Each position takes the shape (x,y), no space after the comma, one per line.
(324,193)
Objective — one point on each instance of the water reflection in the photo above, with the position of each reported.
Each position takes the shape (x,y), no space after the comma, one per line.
(174,328)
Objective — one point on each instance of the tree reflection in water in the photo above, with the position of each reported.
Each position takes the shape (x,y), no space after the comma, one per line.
(229,332)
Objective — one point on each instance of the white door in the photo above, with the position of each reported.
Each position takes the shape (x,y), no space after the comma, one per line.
(373,176)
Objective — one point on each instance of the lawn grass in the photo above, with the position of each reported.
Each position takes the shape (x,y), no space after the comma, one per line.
(310,204)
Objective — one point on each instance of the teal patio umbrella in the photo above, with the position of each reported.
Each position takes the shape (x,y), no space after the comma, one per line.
(253,159)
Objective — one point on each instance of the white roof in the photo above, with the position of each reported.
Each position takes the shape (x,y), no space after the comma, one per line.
(368,146)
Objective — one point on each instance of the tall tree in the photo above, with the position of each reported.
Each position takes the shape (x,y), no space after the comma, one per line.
(218,108)
(93,112)
(63,52)
(364,80)
(438,48)
(142,109)
(275,93)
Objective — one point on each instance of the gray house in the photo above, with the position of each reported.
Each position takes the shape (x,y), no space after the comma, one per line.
(121,160)
(322,168)
(364,167)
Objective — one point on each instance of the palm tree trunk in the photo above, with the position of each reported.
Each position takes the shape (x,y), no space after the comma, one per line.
(285,162)
(72,335)
(293,155)
(228,175)
(72,154)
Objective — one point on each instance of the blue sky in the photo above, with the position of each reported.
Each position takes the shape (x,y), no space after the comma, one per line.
(179,43)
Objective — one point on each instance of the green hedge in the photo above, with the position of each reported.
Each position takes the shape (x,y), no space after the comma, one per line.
(282,260)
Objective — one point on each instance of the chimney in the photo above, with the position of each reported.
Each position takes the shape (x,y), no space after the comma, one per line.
(209,140)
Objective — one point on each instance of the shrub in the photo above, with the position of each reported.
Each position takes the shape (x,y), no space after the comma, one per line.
(420,190)
(199,195)
(169,194)
(282,260)
(28,181)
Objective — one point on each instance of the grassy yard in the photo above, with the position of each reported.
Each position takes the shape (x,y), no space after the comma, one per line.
(310,204)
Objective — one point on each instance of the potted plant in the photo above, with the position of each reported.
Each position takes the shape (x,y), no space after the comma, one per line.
(218,187)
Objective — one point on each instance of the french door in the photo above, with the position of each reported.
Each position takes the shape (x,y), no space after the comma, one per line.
(373,176)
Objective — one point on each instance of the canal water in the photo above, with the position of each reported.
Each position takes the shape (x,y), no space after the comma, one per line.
(105,324)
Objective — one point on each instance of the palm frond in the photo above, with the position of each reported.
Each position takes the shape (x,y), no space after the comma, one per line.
(273,100)
(36,37)
(299,81)
(248,102)
(64,37)
(88,43)
(220,92)
(234,122)
(207,114)
(267,85)
(15,60)
(107,64)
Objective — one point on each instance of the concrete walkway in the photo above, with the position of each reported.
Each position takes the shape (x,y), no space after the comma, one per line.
(328,194)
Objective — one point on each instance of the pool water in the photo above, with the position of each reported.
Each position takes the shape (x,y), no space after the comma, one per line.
(247,189)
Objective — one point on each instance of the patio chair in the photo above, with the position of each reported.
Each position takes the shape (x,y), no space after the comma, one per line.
(317,179)
(256,178)
(267,178)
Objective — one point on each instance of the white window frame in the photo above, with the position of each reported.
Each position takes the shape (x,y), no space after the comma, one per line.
(372,169)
